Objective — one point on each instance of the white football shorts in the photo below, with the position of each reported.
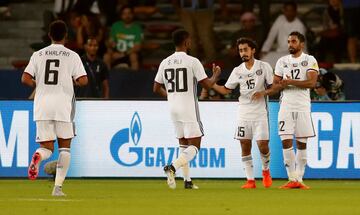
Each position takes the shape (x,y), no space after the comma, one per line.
(48,130)
(296,123)
(258,130)
(188,129)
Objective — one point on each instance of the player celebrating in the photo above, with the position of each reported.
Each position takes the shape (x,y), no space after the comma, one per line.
(296,73)
(253,77)
(52,70)
(180,74)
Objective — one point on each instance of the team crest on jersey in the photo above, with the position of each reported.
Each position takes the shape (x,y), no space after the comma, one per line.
(295,64)
(304,63)
(259,72)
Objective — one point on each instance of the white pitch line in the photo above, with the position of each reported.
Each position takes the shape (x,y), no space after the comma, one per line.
(42,200)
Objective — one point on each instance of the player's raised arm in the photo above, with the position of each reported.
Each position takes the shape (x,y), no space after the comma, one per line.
(208,83)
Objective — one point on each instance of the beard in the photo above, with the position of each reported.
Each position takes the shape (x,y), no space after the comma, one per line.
(245,58)
(293,50)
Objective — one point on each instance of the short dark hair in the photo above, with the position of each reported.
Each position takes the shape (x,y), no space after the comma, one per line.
(179,36)
(291,4)
(244,40)
(126,6)
(57,30)
(299,35)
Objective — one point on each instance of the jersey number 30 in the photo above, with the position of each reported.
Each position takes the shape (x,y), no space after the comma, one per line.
(51,75)
(177,80)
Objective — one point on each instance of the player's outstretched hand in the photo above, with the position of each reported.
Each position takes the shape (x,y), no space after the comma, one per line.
(216,70)
(258,95)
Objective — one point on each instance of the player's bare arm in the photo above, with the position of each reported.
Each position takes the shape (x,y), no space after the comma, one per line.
(221,89)
(82,81)
(208,83)
(309,83)
(159,89)
(28,80)
(271,90)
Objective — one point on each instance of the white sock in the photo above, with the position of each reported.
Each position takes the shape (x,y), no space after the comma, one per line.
(185,168)
(248,167)
(186,156)
(301,159)
(44,153)
(265,159)
(289,161)
(62,166)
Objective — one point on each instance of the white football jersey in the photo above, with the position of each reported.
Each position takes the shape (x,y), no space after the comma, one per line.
(295,99)
(251,81)
(54,68)
(180,74)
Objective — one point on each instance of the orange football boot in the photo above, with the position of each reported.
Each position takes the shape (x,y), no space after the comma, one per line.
(267,180)
(290,185)
(250,184)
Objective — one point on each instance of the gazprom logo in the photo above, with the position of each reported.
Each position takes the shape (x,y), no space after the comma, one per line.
(122,137)
(125,150)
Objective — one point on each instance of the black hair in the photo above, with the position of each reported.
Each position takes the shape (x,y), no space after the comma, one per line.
(291,4)
(244,40)
(57,30)
(299,35)
(126,6)
(179,36)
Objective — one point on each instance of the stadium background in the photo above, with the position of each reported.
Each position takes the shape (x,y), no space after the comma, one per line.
(24,28)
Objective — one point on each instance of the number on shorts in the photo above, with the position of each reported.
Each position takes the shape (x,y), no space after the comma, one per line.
(241,132)
(281,124)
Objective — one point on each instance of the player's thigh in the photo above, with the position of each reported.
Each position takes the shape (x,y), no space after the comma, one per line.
(243,130)
(261,130)
(179,129)
(193,130)
(286,123)
(45,131)
(304,126)
(65,130)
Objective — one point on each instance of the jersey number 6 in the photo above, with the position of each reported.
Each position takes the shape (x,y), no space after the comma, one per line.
(51,76)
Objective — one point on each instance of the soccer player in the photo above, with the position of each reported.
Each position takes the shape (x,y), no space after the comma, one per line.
(180,73)
(53,70)
(253,78)
(296,73)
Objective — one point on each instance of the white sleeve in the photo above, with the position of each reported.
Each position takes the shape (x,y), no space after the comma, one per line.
(278,68)
(313,65)
(269,75)
(79,69)
(159,75)
(31,68)
(271,36)
(233,81)
(199,71)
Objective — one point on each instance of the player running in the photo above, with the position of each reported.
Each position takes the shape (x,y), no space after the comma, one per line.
(53,70)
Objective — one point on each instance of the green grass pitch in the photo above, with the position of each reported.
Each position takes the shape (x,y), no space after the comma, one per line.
(147,197)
